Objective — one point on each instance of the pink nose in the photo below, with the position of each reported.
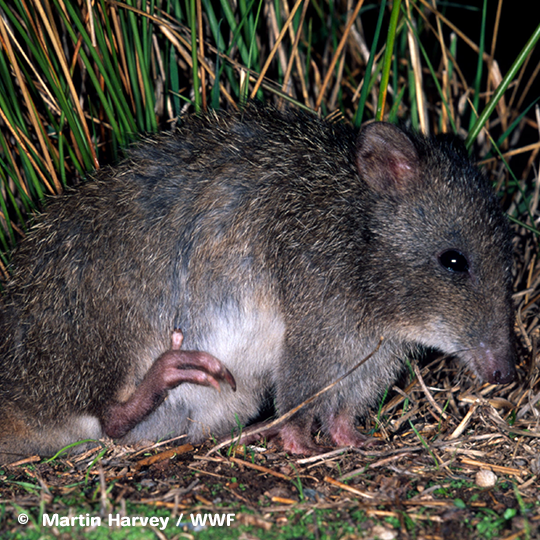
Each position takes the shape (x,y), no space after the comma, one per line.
(499,377)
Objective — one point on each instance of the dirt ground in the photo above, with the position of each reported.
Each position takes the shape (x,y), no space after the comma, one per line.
(438,433)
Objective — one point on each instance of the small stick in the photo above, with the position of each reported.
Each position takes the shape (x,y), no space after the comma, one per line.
(427,392)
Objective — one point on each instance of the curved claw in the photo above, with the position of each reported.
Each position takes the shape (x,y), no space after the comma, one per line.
(227,376)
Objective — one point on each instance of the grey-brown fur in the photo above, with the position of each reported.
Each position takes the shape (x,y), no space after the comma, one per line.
(282,245)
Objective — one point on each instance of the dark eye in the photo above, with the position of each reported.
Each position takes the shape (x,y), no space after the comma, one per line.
(454,261)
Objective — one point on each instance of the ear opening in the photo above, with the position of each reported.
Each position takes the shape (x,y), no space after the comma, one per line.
(386,158)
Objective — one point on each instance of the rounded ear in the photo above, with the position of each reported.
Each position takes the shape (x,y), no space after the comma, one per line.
(386,158)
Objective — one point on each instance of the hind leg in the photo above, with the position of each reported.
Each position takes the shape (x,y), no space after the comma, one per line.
(172,368)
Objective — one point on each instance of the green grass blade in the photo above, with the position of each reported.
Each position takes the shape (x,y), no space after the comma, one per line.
(359,116)
(387,62)
(501,89)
